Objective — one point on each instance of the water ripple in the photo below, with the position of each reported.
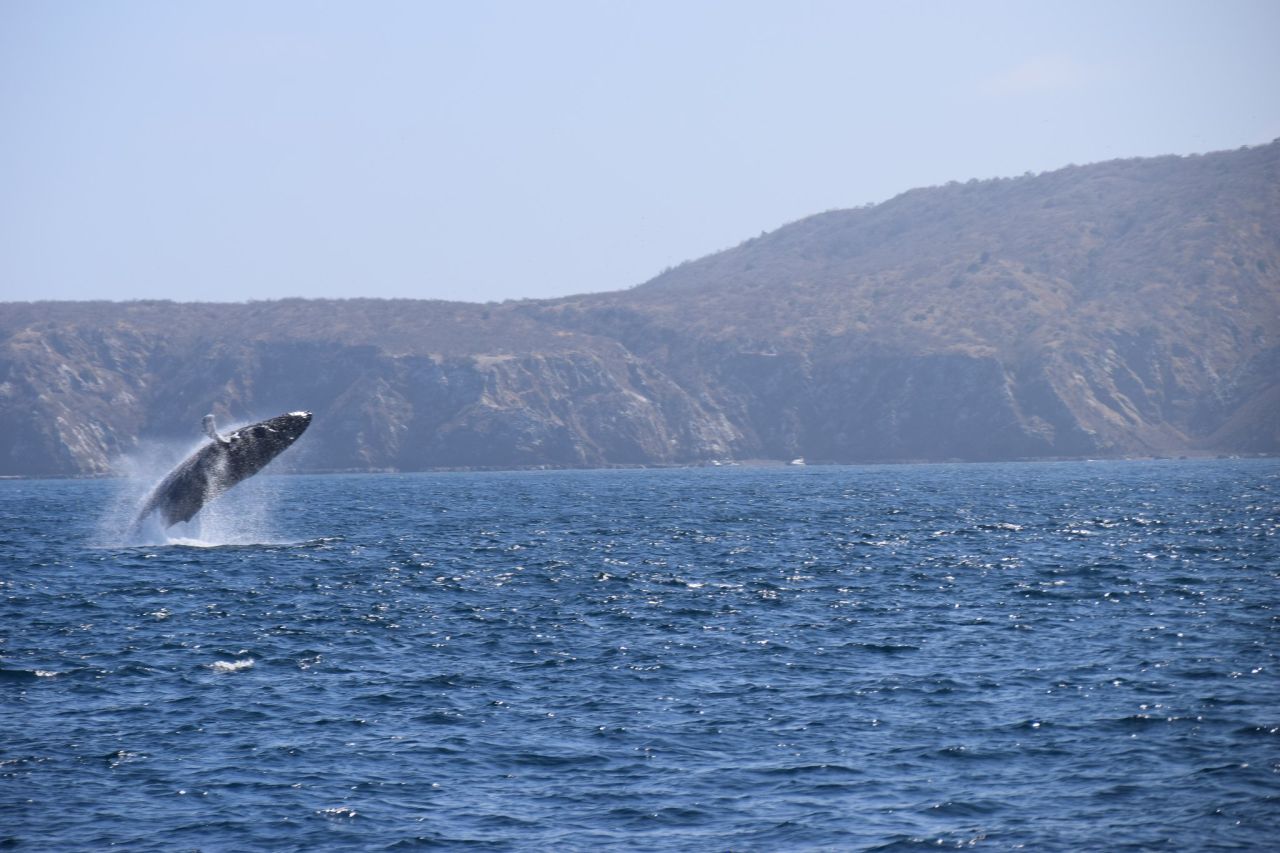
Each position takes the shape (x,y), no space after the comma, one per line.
(1060,656)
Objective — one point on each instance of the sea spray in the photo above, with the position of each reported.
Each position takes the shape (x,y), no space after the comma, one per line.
(136,474)
(241,516)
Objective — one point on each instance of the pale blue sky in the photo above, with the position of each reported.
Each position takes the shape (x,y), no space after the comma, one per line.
(494,150)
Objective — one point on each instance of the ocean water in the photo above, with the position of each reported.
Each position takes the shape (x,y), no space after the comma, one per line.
(1055,656)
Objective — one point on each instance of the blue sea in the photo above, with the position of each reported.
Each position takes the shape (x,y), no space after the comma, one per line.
(1039,656)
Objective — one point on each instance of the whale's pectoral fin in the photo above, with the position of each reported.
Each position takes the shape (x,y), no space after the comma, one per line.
(211,429)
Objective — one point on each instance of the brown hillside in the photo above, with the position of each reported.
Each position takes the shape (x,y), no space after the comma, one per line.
(1124,307)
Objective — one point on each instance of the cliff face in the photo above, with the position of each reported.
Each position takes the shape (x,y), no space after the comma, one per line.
(374,410)
(71,399)
(1128,307)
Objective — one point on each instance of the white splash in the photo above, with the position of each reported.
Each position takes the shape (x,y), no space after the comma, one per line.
(231,665)
(243,515)
(338,811)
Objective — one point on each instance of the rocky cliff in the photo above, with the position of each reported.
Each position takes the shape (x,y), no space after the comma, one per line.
(1130,307)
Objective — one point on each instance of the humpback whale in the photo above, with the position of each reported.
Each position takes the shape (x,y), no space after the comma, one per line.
(219,465)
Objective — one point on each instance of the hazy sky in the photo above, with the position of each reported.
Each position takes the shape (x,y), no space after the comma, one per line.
(484,151)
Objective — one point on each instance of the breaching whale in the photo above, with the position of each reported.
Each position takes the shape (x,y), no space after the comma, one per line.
(220,464)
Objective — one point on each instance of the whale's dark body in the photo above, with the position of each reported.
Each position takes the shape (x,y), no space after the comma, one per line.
(221,464)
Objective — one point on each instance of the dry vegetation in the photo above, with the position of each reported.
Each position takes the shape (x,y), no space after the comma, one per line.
(1128,306)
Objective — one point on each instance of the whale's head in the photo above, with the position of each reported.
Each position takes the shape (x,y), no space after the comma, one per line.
(291,425)
(274,434)
(296,423)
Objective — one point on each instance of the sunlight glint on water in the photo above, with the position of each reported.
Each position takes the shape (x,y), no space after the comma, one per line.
(1043,656)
